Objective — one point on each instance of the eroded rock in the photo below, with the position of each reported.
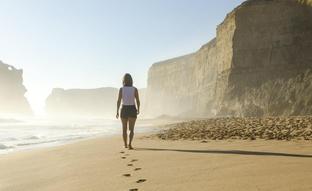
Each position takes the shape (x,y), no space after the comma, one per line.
(12,91)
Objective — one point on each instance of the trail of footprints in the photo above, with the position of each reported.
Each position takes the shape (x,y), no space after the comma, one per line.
(124,157)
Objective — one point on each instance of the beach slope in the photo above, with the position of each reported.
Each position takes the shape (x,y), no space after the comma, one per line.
(102,164)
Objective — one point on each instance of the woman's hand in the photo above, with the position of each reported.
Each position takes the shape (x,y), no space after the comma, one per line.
(138,112)
(117,115)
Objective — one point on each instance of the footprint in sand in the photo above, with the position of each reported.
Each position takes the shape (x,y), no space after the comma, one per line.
(122,152)
(129,164)
(126,175)
(133,189)
(123,157)
(140,180)
(134,160)
(136,169)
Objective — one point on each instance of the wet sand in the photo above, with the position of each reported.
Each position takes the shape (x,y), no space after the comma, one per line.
(102,164)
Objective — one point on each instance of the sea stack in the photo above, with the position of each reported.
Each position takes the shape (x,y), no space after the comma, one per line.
(12,91)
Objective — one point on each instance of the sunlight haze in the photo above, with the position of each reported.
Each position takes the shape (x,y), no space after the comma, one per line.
(91,44)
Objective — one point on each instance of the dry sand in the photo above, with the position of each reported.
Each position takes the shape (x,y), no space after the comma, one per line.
(97,164)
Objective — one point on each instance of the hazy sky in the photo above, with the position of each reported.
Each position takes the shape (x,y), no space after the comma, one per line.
(92,43)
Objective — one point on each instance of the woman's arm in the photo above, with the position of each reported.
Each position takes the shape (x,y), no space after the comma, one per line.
(118,103)
(137,99)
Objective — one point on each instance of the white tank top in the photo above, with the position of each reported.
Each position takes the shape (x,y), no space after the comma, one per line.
(128,95)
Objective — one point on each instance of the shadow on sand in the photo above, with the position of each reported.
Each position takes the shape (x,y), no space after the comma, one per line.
(233,152)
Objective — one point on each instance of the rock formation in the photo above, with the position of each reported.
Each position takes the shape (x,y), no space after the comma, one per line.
(167,90)
(251,68)
(100,102)
(12,90)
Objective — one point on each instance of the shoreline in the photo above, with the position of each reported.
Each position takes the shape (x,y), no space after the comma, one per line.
(98,164)
(32,141)
(53,144)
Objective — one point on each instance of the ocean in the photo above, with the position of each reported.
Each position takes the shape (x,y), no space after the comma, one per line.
(33,133)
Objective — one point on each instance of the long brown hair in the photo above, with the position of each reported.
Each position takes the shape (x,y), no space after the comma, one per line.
(127,80)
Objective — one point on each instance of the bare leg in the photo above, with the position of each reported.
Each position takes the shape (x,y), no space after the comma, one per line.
(124,122)
(131,129)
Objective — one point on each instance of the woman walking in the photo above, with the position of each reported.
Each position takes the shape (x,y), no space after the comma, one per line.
(128,95)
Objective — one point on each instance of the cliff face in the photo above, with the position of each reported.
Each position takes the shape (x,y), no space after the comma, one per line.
(168,90)
(282,97)
(205,76)
(272,41)
(259,44)
(12,90)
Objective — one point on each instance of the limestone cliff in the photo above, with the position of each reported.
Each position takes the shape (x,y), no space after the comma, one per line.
(259,43)
(12,90)
(168,89)
(272,41)
(282,97)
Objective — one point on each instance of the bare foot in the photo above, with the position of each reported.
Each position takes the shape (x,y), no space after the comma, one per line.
(130,147)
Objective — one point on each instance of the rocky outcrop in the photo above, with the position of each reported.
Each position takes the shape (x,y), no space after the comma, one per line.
(259,44)
(99,102)
(12,90)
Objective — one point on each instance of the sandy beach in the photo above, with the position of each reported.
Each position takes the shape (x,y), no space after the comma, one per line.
(102,164)
(218,95)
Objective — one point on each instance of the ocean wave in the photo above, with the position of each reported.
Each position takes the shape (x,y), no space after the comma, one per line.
(8,139)
(47,141)
(31,134)
(32,137)
(3,146)
(8,120)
